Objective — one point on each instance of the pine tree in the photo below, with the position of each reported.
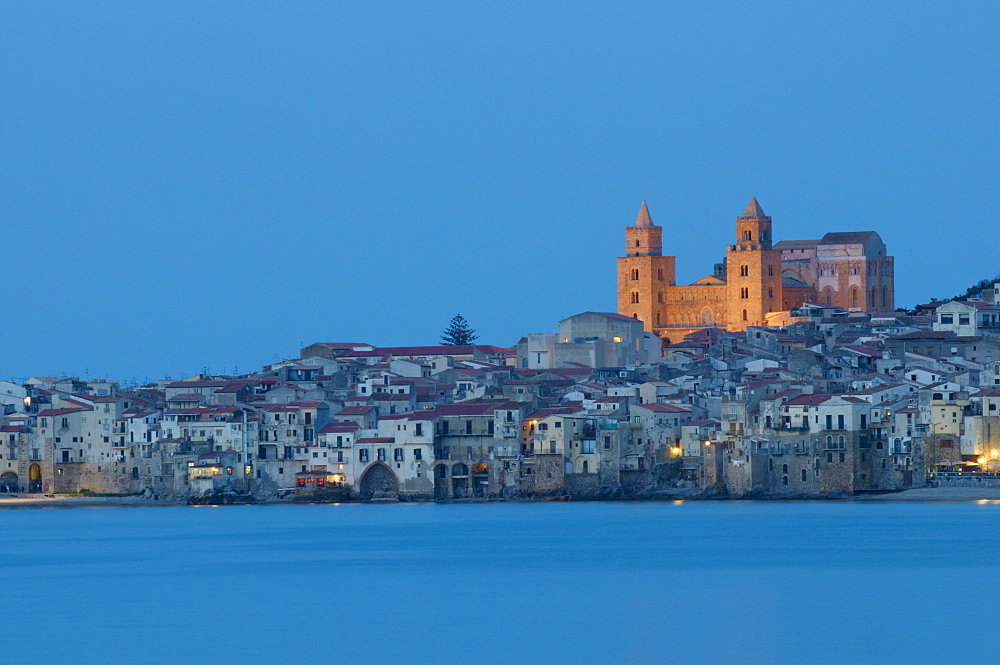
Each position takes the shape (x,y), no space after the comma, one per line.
(458,332)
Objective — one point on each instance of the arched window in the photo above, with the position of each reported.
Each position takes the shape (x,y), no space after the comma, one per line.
(747,236)
(854,297)
(770,292)
(829,440)
(659,274)
(744,315)
(784,480)
(840,440)
(770,271)
(635,273)
(659,296)
(828,295)
(744,271)
(635,316)
(784,468)
(657,318)
(804,475)
(635,297)
(636,243)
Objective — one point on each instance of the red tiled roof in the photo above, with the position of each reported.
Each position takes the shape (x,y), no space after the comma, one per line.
(198,384)
(338,428)
(664,408)
(355,411)
(186,397)
(60,412)
(808,400)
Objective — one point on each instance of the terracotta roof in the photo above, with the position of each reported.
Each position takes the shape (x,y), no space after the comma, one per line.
(355,411)
(60,412)
(663,408)
(338,428)
(849,238)
(808,400)
(376,439)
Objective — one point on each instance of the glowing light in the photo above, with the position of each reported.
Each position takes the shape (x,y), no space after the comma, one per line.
(995,453)
(617,339)
(982,460)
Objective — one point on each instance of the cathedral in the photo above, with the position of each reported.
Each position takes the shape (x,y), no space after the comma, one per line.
(758,277)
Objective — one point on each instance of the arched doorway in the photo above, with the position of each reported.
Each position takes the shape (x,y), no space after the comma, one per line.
(378,482)
(460,481)
(8,483)
(480,480)
(441,481)
(35,478)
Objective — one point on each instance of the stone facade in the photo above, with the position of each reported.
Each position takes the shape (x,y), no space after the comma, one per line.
(848,270)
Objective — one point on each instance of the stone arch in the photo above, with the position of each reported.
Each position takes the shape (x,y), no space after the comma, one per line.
(854,297)
(441,482)
(706,316)
(828,296)
(8,482)
(460,481)
(35,478)
(480,479)
(377,482)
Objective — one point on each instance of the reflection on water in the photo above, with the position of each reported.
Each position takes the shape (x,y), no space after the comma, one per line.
(692,582)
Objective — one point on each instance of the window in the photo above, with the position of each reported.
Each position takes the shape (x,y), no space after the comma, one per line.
(784,468)
(468,427)
(418,454)
(947,319)
(607,443)
(841,457)
(804,476)
(397,455)
(635,274)
(363,455)
(747,237)
(380,454)
(744,271)
(659,274)
(963,319)
(635,298)
(588,446)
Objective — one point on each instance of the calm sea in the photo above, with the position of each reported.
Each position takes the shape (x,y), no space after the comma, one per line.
(710,582)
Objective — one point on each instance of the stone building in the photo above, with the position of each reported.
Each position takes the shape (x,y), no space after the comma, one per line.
(849,270)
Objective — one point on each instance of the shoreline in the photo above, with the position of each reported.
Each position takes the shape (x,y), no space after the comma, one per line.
(921,494)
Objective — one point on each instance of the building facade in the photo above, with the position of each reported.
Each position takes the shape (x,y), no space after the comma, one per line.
(758,277)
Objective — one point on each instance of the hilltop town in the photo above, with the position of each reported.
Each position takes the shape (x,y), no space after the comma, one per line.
(787,372)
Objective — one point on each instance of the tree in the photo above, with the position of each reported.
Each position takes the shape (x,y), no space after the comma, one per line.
(458,332)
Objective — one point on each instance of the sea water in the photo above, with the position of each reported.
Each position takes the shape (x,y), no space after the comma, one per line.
(684,582)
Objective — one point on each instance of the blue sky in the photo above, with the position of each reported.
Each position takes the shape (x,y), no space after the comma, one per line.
(187,185)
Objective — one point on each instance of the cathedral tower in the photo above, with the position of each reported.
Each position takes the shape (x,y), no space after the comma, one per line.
(644,273)
(753,271)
